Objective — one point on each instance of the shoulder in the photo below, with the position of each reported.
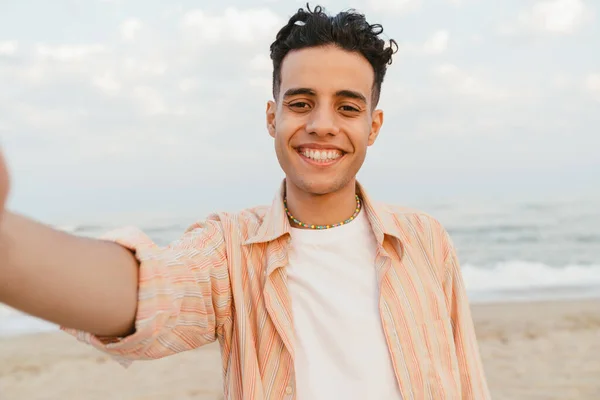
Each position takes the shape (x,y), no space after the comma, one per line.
(403,215)
(411,223)
(242,223)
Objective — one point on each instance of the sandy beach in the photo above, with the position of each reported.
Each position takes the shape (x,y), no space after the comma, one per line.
(537,350)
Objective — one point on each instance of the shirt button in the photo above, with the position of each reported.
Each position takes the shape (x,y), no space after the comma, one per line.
(288,390)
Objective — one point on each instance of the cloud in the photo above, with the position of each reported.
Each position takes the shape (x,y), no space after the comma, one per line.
(477,39)
(48,117)
(130,29)
(437,43)
(188,84)
(562,81)
(8,48)
(67,53)
(241,26)
(31,74)
(263,86)
(107,83)
(261,62)
(562,17)
(126,103)
(592,84)
(137,67)
(52,65)
(150,100)
(394,6)
(261,79)
(466,84)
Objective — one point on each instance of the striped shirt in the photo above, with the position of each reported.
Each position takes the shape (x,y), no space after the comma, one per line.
(225,279)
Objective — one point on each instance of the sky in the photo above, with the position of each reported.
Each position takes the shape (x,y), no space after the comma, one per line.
(116,107)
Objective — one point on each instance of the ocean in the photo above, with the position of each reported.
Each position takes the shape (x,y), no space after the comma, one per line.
(509,251)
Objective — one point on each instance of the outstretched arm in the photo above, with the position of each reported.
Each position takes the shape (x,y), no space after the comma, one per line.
(123,294)
(86,284)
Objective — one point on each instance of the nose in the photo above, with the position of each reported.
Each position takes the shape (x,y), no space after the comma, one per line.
(322,122)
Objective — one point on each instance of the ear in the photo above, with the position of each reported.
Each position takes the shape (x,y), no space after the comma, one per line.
(270,114)
(376,123)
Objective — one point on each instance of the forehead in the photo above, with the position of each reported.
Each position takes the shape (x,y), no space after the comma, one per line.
(327,69)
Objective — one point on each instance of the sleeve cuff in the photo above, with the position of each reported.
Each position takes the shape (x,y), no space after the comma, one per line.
(123,349)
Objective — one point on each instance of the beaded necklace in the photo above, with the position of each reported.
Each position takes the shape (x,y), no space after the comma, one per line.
(298,222)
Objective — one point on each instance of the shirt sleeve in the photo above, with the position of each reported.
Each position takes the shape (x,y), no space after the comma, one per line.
(472,376)
(184,294)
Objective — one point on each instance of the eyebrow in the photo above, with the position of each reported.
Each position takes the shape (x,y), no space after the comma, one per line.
(298,91)
(351,94)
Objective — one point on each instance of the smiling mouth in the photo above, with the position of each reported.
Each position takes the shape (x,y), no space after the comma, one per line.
(320,156)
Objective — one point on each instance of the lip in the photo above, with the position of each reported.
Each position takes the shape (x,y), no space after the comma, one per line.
(320,164)
(317,146)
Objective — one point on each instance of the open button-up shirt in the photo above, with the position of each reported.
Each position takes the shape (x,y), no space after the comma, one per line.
(225,279)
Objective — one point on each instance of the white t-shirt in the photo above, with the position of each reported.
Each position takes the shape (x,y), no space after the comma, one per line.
(340,348)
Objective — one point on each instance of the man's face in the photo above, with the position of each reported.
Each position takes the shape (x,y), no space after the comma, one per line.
(323,119)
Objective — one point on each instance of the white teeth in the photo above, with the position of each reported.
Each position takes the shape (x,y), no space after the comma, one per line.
(321,155)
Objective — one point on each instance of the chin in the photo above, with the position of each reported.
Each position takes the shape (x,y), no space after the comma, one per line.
(320,187)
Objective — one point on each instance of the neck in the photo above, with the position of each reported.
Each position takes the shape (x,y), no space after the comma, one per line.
(321,209)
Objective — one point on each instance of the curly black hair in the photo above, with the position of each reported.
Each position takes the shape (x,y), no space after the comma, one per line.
(348,30)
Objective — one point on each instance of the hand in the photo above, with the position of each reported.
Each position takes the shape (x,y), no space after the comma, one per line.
(4,183)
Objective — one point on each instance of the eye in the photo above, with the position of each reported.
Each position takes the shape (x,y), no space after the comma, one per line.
(348,108)
(300,105)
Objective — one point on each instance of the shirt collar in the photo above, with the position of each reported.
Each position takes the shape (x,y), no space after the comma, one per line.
(275,224)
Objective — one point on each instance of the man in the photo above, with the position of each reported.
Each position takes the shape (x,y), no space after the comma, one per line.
(325,294)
